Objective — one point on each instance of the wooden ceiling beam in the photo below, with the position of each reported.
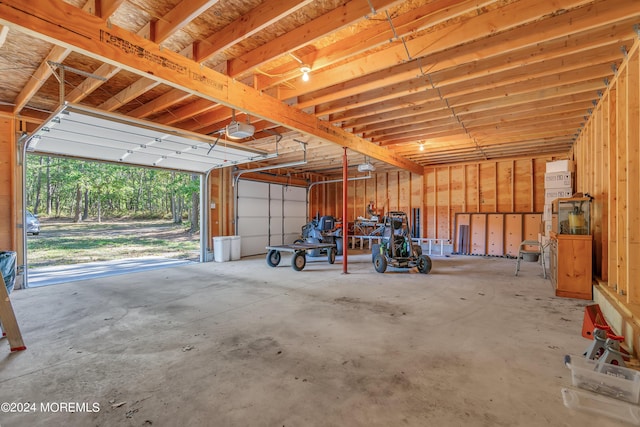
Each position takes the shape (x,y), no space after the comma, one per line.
(419,102)
(417,19)
(63,24)
(163,102)
(417,129)
(526,120)
(103,10)
(39,77)
(263,15)
(484,102)
(337,18)
(178,17)
(437,118)
(198,106)
(437,107)
(377,96)
(499,97)
(128,93)
(459,32)
(549,68)
(460,70)
(158,31)
(578,102)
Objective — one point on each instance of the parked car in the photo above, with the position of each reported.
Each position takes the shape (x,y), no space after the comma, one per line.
(33,224)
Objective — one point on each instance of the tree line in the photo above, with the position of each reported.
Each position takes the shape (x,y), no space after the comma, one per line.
(61,187)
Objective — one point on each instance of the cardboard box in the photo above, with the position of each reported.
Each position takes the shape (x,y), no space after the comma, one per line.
(560,166)
(551,194)
(558,180)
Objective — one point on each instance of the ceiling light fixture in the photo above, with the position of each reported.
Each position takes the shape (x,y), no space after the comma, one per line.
(422,146)
(305,70)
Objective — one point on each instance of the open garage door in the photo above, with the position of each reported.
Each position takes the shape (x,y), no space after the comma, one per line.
(269,214)
(84,133)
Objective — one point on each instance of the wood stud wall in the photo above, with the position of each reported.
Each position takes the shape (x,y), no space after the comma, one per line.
(489,187)
(505,186)
(7,156)
(397,190)
(607,154)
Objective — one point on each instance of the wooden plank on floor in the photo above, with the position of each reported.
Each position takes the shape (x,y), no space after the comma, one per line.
(8,319)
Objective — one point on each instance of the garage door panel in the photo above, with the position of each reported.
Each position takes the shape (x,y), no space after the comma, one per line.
(249,207)
(295,208)
(254,226)
(296,193)
(275,228)
(275,192)
(275,209)
(253,245)
(253,189)
(269,214)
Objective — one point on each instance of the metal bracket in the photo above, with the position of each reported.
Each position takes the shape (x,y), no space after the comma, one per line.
(303,145)
(214,144)
(373,9)
(624,50)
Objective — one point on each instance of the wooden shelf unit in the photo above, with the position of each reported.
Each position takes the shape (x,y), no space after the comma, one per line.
(570,266)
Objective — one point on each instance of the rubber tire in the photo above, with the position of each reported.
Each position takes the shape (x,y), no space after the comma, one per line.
(273,258)
(380,263)
(299,260)
(375,249)
(417,249)
(424,264)
(295,242)
(331,257)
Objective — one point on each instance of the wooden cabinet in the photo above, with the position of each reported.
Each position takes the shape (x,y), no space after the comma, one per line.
(512,234)
(570,265)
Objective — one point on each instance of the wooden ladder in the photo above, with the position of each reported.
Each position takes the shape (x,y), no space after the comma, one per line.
(8,320)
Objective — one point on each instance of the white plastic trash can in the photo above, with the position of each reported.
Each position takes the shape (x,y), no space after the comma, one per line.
(236,243)
(221,248)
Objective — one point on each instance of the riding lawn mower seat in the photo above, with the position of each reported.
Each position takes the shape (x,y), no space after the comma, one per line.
(326,223)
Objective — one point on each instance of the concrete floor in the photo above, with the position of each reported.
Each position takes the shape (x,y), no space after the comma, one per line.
(243,344)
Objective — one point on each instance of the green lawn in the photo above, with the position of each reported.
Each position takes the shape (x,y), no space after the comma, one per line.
(63,242)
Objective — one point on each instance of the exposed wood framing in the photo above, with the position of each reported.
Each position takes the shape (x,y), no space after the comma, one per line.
(444,201)
(608,167)
(61,23)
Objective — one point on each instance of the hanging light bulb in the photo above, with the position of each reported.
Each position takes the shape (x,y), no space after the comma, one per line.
(305,70)
(422,146)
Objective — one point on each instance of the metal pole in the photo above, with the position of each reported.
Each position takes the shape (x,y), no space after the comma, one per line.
(345,228)
(204,217)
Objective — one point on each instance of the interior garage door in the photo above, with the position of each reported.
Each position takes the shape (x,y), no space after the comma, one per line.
(269,214)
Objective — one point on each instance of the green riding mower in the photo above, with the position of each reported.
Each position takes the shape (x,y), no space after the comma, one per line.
(396,249)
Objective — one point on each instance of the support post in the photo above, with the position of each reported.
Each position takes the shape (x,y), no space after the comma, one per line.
(345,222)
